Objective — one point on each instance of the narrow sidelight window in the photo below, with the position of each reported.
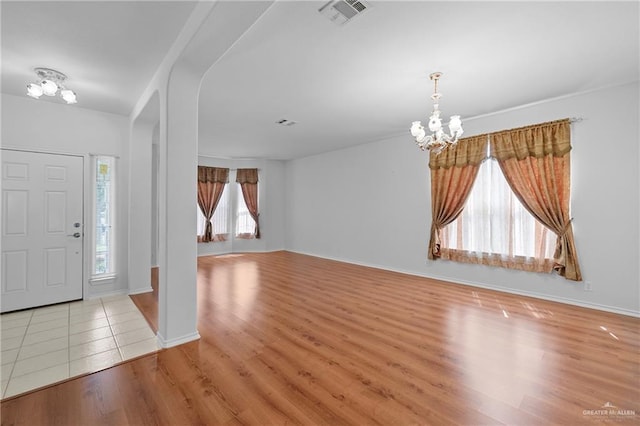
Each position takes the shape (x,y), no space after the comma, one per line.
(104,209)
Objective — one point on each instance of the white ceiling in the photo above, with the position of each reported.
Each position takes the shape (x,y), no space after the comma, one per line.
(109,50)
(344,85)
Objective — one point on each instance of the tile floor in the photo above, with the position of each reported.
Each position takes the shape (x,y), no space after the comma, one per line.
(46,345)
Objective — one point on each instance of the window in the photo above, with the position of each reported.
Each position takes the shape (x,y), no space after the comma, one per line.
(245,225)
(484,222)
(103,259)
(232,213)
(494,228)
(220,219)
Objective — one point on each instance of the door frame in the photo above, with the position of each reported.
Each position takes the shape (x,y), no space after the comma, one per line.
(87,192)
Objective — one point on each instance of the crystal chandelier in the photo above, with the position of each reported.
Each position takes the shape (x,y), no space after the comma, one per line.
(50,82)
(438,140)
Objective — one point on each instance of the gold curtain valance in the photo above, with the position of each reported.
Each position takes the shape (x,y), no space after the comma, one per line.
(539,140)
(213,174)
(469,151)
(247,176)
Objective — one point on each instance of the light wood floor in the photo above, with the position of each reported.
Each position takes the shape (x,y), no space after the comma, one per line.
(147,303)
(288,338)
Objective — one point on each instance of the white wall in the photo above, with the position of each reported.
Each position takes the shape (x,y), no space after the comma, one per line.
(140,205)
(270,204)
(37,125)
(371,204)
(155,159)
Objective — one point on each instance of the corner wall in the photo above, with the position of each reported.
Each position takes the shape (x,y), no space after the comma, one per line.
(370,204)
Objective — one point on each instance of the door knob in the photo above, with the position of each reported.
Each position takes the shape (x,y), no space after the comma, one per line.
(74,235)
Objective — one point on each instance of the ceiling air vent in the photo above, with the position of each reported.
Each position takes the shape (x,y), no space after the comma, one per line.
(285,122)
(341,11)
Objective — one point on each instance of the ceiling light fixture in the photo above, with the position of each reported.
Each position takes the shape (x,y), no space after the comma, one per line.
(49,83)
(438,140)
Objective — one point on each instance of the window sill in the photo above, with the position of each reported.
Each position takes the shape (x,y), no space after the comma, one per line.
(102,279)
(521,263)
(245,237)
(218,238)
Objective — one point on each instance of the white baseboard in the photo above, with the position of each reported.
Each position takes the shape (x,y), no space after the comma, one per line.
(243,251)
(164,343)
(141,290)
(120,292)
(565,300)
(214,254)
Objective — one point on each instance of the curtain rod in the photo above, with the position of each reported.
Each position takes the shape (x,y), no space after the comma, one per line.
(489,134)
(231,168)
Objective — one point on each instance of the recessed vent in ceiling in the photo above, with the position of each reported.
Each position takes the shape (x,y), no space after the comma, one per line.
(285,122)
(342,11)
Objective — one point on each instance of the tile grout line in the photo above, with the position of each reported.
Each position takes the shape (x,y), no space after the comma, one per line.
(112,333)
(102,305)
(15,361)
(22,346)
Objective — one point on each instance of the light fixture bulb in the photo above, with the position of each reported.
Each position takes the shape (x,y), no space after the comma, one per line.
(49,87)
(69,96)
(416,126)
(455,124)
(435,123)
(34,90)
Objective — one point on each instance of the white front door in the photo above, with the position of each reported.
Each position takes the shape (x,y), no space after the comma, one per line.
(42,230)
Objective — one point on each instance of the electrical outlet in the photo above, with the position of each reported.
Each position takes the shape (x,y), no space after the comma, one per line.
(587,286)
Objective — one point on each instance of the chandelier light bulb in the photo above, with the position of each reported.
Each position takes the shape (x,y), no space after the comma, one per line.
(49,87)
(417,131)
(34,90)
(435,123)
(438,140)
(69,96)
(455,125)
(415,128)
